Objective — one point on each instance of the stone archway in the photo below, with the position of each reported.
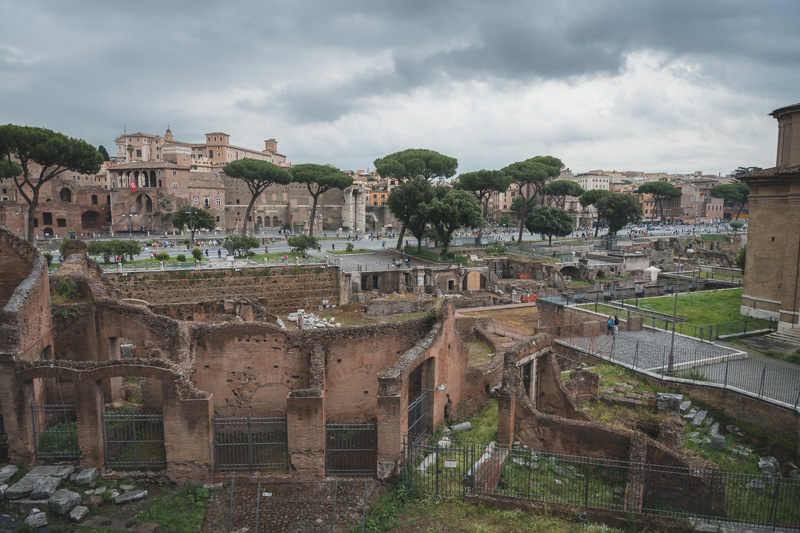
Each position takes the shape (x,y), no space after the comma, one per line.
(90,220)
(65,195)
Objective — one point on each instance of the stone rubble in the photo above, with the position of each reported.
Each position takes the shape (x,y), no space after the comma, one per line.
(311,321)
(38,490)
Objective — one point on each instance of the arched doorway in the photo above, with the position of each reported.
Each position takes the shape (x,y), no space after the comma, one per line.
(276,222)
(66,195)
(153,181)
(90,220)
(144,203)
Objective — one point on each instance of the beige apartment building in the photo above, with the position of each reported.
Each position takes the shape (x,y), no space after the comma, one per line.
(216,151)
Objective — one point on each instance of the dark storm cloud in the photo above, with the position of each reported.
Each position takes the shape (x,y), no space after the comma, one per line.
(75,65)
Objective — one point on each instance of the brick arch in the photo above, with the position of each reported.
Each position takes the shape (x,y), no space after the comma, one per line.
(95,331)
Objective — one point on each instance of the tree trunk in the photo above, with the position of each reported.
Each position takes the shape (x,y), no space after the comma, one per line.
(521,227)
(400,239)
(247,215)
(313,215)
(31,212)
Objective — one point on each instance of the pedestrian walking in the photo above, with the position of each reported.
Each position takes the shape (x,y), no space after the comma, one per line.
(616,324)
(610,326)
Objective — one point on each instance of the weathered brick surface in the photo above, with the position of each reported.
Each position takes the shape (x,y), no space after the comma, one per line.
(279,289)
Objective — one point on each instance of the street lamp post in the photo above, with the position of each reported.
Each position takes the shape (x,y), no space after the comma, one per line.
(671,361)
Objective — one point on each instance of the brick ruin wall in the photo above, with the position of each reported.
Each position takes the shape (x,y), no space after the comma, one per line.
(24,299)
(264,364)
(279,289)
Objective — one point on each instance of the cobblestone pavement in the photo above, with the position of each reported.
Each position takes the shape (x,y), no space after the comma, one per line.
(329,505)
(649,350)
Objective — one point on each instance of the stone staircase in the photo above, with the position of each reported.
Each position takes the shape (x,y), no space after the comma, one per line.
(786,336)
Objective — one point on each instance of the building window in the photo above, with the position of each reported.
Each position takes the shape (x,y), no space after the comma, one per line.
(61,222)
(219,201)
(211,154)
(174,172)
(47,219)
(196,200)
(174,184)
(138,153)
(206,202)
(94,199)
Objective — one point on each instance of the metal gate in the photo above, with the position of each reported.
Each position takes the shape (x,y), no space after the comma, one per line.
(351,449)
(134,440)
(250,443)
(55,431)
(418,417)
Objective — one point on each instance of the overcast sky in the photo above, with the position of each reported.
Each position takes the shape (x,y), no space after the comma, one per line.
(651,85)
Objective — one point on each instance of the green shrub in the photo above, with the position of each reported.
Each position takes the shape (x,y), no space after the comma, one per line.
(350,247)
(162,256)
(180,258)
(49,257)
(197,253)
(67,289)
(741,257)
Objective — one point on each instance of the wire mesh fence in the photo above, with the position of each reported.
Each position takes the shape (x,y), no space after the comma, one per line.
(704,495)
(297,506)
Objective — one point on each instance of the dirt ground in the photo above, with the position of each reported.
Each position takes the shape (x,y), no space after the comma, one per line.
(327,505)
(516,318)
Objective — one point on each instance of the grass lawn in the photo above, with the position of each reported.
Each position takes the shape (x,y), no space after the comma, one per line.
(431,515)
(353,251)
(479,351)
(701,308)
(434,256)
(704,308)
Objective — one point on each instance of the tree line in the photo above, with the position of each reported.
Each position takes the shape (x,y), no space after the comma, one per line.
(421,203)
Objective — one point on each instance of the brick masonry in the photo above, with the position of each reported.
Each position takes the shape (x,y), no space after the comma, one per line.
(279,289)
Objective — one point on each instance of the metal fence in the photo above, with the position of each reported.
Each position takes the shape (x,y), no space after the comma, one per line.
(649,352)
(134,440)
(701,495)
(626,308)
(55,431)
(250,443)
(351,449)
(440,470)
(418,416)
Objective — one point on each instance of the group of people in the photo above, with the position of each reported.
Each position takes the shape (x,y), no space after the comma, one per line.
(612,325)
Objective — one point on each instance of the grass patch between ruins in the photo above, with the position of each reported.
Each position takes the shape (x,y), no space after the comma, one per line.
(479,351)
(405,510)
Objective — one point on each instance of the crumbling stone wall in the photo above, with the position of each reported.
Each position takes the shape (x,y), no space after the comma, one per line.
(264,364)
(441,358)
(24,333)
(279,289)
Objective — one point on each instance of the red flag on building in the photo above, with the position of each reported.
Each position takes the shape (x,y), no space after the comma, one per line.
(133,185)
